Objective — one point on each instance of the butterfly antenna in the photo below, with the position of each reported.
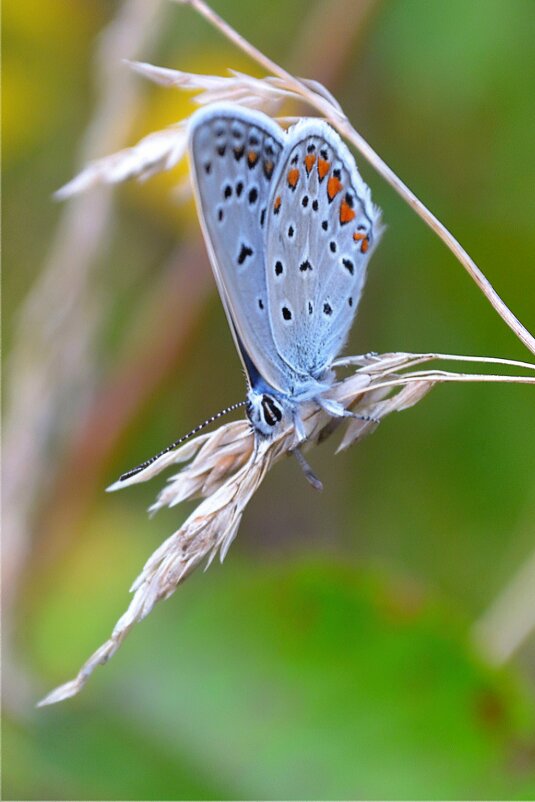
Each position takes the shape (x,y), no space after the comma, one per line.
(185,437)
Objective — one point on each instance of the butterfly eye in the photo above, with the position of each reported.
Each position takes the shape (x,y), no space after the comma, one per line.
(272,411)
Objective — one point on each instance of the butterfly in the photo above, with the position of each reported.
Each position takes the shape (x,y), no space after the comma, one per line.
(290,226)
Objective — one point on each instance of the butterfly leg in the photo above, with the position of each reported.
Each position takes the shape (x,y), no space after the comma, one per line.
(337,410)
(299,428)
(307,470)
(362,360)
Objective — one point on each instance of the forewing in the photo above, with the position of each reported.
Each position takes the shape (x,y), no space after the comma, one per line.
(234,156)
(321,230)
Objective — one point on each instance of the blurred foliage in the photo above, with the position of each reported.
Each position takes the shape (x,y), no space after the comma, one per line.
(331,656)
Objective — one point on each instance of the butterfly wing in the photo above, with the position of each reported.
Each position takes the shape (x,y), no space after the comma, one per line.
(321,230)
(234,155)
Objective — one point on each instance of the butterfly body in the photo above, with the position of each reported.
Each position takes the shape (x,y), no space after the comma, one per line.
(290,226)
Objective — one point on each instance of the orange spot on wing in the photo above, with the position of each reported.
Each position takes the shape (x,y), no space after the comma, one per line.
(252,157)
(346,212)
(334,185)
(310,160)
(323,168)
(277,203)
(268,168)
(360,236)
(293,177)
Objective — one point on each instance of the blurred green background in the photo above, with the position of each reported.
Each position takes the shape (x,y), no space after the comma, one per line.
(350,646)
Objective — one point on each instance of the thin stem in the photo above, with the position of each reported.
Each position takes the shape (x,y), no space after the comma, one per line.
(405,360)
(232,35)
(343,125)
(496,360)
(445,376)
(441,231)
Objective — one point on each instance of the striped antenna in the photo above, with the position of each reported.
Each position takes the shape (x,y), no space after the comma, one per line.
(194,431)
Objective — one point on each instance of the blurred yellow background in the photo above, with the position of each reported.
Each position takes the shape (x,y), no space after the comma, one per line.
(335,654)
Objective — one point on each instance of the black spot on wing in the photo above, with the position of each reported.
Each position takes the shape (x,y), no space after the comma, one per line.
(245,252)
(286,313)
